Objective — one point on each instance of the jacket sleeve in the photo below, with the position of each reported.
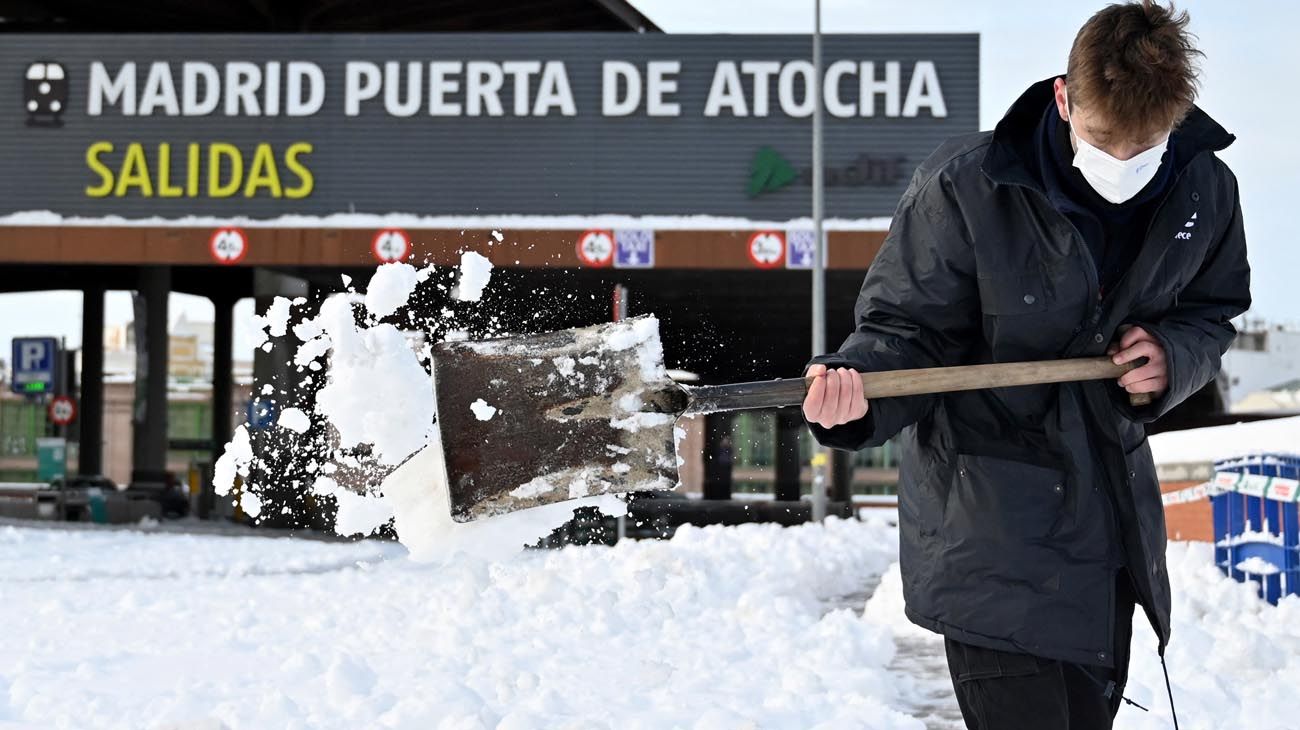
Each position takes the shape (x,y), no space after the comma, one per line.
(918,307)
(1198,329)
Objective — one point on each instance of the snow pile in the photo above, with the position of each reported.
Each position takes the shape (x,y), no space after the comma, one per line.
(1233,658)
(422,514)
(1274,436)
(719,628)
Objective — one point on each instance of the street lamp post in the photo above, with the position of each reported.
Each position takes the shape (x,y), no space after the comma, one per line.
(821,455)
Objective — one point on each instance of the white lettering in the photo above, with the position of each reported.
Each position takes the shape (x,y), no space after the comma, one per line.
(440,86)
(192,72)
(785,89)
(554,91)
(726,91)
(483,88)
(361,81)
(295,103)
(393,86)
(868,88)
(611,105)
(762,73)
(520,71)
(658,85)
(924,91)
(242,80)
(159,92)
(831,92)
(103,91)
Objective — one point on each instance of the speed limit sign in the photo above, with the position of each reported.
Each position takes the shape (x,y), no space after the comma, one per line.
(228,246)
(767,249)
(62,410)
(596,248)
(390,244)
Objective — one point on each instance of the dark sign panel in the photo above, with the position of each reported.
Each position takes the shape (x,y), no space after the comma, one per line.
(543,124)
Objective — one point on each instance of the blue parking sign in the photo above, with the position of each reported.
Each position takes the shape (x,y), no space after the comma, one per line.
(801,249)
(634,248)
(34,363)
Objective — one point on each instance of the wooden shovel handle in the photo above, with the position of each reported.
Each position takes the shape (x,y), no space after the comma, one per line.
(892,383)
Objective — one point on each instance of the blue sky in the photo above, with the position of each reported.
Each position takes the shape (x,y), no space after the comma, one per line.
(1247,85)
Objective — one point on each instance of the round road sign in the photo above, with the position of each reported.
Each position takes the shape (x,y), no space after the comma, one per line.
(596,248)
(228,246)
(390,245)
(62,410)
(766,249)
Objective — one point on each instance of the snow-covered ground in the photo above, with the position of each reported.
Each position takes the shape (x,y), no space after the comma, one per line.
(746,627)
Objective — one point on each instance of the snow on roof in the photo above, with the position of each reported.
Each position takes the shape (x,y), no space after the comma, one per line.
(1277,437)
(407,220)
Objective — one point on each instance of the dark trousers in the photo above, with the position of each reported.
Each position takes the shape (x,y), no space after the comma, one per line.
(1000,690)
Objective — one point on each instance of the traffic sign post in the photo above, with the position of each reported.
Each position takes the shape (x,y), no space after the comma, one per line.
(228,246)
(390,245)
(766,249)
(596,248)
(62,410)
(35,365)
(634,248)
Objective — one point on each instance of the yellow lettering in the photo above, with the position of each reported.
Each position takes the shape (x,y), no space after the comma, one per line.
(192,171)
(99,168)
(216,151)
(262,173)
(134,173)
(299,169)
(165,188)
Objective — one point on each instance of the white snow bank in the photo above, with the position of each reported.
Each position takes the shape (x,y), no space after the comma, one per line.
(718,628)
(1274,436)
(421,504)
(1233,658)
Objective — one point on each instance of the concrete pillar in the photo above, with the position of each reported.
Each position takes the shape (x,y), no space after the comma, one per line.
(90,411)
(223,332)
(789,424)
(841,475)
(719,455)
(280,475)
(149,418)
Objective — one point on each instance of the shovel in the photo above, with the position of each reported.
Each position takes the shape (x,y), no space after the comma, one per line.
(537,419)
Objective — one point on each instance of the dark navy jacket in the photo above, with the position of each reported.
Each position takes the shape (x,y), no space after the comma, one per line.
(1019,506)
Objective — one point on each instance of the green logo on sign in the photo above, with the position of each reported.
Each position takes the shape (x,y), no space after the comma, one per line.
(769,172)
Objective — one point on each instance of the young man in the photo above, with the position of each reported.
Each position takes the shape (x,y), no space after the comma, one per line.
(1095,219)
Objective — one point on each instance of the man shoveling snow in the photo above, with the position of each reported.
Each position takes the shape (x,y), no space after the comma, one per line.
(1030,518)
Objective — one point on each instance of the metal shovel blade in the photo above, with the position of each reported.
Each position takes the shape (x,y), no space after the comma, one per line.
(536,419)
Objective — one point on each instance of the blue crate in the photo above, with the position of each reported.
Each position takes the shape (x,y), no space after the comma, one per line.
(1255,529)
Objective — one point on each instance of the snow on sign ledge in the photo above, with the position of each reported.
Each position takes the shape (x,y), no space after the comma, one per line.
(460,222)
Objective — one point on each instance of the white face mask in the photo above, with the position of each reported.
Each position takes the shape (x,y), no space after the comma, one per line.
(1114,179)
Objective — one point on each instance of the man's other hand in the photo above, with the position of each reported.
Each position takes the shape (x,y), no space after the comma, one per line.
(835,396)
(1135,342)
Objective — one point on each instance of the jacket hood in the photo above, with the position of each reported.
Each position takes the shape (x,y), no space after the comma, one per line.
(1014,135)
